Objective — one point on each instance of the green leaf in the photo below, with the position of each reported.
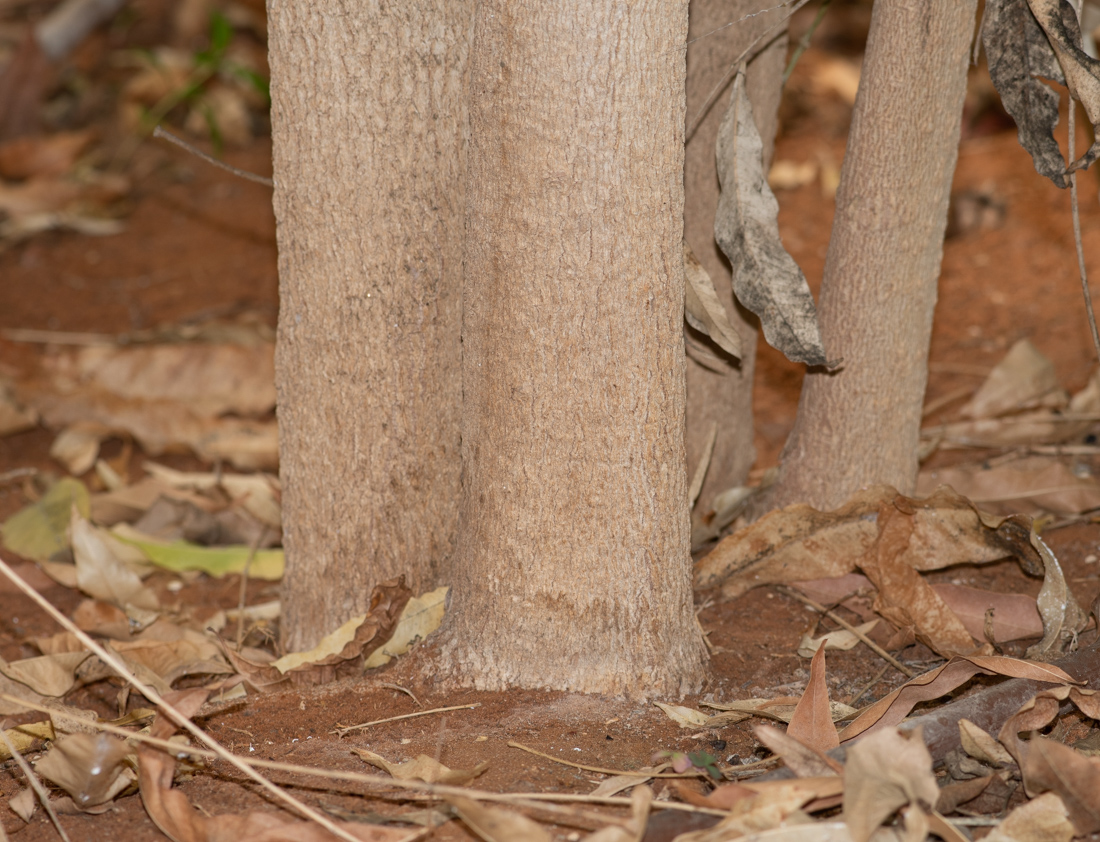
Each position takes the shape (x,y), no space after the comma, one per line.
(214,561)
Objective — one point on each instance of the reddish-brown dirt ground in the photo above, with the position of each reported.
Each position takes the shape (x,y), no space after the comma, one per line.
(200,244)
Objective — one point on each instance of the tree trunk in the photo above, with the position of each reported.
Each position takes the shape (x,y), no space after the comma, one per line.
(369,129)
(572,570)
(724,398)
(861,425)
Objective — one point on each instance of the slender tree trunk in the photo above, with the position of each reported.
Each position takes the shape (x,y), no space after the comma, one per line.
(717,36)
(573,570)
(861,425)
(369,128)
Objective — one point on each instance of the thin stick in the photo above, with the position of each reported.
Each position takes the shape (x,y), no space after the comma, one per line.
(179,750)
(36,785)
(804,41)
(178,718)
(183,144)
(600,770)
(878,650)
(341,730)
(259,539)
(1077,230)
(716,91)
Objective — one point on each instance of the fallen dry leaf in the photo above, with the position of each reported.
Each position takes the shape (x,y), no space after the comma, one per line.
(1023,379)
(340,653)
(804,761)
(1043,819)
(423,768)
(837,639)
(892,708)
(494,824)
(1030,482)
(882,773)
(89,767)
(812,722)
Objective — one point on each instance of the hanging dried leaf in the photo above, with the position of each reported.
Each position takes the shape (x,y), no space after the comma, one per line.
(702,308)
(766,279)
(1019,53)
(1082,72)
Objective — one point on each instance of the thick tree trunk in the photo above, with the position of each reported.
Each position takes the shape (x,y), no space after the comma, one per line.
(861,425)
(573,570)
(724,398)
(369,128)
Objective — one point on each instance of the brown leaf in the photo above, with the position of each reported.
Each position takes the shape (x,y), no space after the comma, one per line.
(804,761)
(341,653)
(905,599)
(1015,616)
(800,542)
(423,768)
(1023,379)
(812,721)
(88,767)
(702,308)
(1042,819)
(42,155)
(496,825)
(1027,483)
(883,773)
(892,708)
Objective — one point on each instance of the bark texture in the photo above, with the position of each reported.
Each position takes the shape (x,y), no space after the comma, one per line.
(369,129)
(573,569)
(861,425)
(724,398)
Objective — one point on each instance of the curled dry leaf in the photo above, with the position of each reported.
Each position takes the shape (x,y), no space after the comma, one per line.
(702,307)
(981,746)
(90,767)
(685,717)
(883,773)
(101,573)
(892,708)
(341,653)
(420,617)
(766,279)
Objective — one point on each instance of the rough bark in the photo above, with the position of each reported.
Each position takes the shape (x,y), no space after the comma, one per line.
(369,125)
(572,569)
(724,398)
(861,425)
